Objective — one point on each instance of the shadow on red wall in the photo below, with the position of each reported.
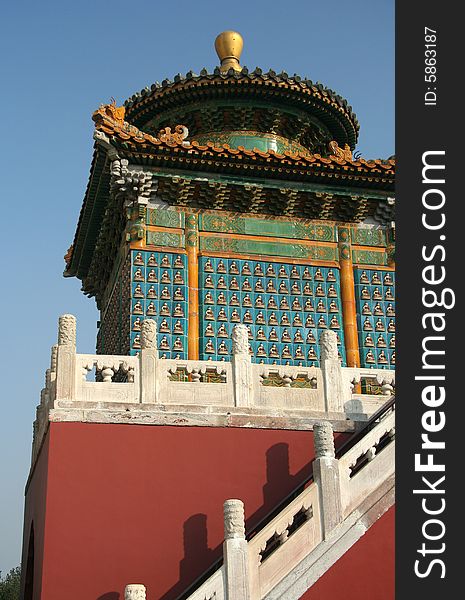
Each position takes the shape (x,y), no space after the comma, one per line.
(198,557)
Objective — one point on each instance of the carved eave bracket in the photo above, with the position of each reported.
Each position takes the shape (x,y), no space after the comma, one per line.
(132,189)
(129,192)
(102,140)
(131,184)
(251,198)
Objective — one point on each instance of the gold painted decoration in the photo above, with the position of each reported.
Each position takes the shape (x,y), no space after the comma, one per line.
(111,111)
(344,153)
(68,256)
(175,137)
(228,46)
(109,118)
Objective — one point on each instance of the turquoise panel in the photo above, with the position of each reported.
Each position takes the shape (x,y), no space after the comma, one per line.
(284,306)
(376,322)
(159,291)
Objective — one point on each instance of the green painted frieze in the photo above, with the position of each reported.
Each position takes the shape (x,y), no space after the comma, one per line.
(161,238)
(368,237)
(300,230)
(271,248)
(367,257)
(165,218)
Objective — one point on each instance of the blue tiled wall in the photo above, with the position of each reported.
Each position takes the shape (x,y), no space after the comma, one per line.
(375,297)
(159,291)
(285,307)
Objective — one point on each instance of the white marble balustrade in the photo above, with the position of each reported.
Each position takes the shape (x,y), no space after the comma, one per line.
(147,389)
(149,379)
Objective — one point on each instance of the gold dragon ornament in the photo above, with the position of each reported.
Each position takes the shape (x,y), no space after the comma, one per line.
(344,153)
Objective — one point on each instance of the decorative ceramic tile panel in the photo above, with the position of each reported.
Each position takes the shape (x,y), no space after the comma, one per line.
(369,257)
(165,218)
(364,236)
(285,307)
(159,291)
(272,227)
(376,323)
(267,248)
(163,238)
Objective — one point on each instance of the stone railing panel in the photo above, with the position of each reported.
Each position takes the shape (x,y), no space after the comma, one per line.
(266,572)
(107,367)
(365,466)
(370,440)
(372,475)
(289,555)
(299,387)
(386,378)
(361,406)
(212,589)
(197,389)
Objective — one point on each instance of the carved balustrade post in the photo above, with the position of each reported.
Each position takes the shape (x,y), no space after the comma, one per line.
(45,393)
(241,364)
(148,357)
(326,476)
(53,358)
(135,591)
(333,383)
(235,552)
(51,373)
(66,358)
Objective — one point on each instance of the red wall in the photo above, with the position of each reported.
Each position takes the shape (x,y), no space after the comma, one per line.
(143,504)
(365,571)
(34,516)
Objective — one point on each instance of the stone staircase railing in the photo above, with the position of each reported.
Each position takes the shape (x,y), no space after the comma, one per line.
(251,569)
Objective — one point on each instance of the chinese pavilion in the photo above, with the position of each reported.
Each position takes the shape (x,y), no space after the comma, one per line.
(242,260)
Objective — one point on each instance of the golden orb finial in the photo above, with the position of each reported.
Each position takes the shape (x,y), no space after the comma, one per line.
(228,46)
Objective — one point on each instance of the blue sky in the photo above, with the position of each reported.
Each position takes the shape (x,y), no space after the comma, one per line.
(60,61)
